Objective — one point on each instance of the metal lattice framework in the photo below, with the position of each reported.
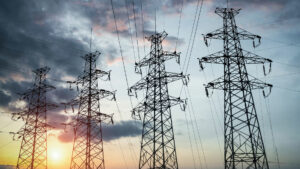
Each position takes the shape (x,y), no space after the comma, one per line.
(158,149)
(244,147)
(33,151)
(88,144)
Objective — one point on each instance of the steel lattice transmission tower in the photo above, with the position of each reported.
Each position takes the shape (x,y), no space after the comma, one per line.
(158,149)
(33,151)
(88,143)
(244,147)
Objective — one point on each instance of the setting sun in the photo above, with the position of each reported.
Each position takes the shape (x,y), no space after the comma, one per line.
(55,155)
(58,153)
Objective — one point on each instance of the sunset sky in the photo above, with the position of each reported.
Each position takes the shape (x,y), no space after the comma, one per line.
(55,33)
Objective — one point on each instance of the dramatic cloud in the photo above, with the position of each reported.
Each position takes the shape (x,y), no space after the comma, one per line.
(56,33)
(5,98)
(110,132)
(122,129)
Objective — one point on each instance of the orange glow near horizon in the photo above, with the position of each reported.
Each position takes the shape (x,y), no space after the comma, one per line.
(59,154)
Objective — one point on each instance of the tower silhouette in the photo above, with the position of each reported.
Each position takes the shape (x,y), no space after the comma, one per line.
(33,151)
(158,148)
(88,150)
(244,146)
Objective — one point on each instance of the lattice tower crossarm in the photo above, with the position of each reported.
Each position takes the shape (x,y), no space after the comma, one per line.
(88,150)
(244,146)
(158,149)
(33,150)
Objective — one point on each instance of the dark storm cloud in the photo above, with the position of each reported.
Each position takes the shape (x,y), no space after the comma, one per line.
(122,129)
(40,33)
(9,91)
(34,34)
(56,119)
(27,42)
(5,99)
(25,45)
(118,130)
(62,95)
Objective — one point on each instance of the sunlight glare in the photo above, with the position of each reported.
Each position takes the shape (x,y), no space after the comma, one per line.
(55,155)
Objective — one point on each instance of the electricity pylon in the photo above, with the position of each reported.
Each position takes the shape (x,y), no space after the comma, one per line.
(158,149)
(88,143)
(244,146)
(33,151)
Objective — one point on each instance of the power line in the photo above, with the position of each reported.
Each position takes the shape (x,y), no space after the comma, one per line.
(190,38)
(215,126)
(218,98)
(6,144)
(179,23)
(194,37)
(287,43)
(189,109)
(287,64)
(130,30)
(283,75)
(136,31)
(121,52)
(267,104)
(191,145)
(142,17)
(191,34)
(288,89)
(277,47)
(132,150)
(122,153)
(273,22)
(272,132)
(6,125)
(187,93)
(193,131)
